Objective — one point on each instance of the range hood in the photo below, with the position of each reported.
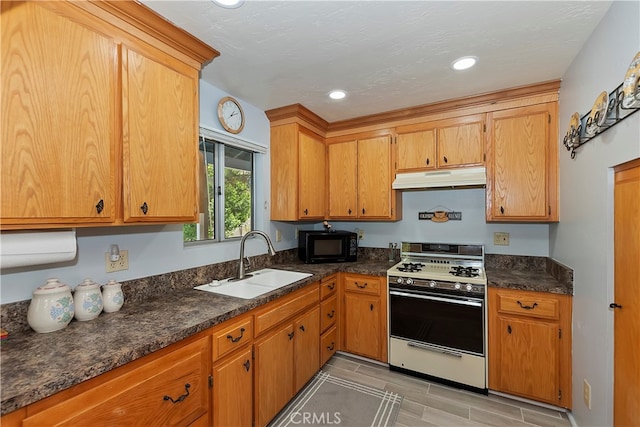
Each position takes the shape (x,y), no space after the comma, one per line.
(463,177)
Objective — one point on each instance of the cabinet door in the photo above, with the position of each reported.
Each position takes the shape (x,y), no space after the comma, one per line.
(529,351)
(417,150)
(461,142)
(362,320)
(343,179)
(374,177)
(160,137)
(307,347)
(521,165)
(284,172)
(274,373)
(233,390)
(312,187)
(58,118)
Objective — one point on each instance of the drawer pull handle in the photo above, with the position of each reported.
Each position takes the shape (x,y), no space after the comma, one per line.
(361,287)
(330,315)
(614,305)
(331,347)
(331,286)
(291,335)
(247,365)
(527,307)
(234,340)
(181,398)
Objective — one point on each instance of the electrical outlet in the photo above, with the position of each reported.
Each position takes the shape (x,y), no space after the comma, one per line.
(278,235)
(360,233)
(586,391)
(121,264)
(501,239)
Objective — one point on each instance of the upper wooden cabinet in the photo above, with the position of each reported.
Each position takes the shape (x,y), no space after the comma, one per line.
(360,175)
(448,143)
(97,122)
(298,183)
(522,163)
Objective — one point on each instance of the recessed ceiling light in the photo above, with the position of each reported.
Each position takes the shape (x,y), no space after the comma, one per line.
(464,63)
(229,4)
(337,94)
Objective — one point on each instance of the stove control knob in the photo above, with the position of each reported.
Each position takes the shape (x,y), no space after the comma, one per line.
(457,286)
(433,284)
(409,281)
(399,280)
(469,287)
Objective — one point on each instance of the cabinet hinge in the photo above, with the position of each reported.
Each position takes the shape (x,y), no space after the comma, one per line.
(549,117)
(484,127)
(484,157)
(253,354)
(559,394)
(560,333)
(210,381)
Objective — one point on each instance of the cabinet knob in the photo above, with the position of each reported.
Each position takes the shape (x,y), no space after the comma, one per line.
(445,159)
(614,305)
(302,328)
(144,208)
(509,328)
(306,211)
(501,210)
(349,211)
(247,365)
(100,206)
(427,160)
(371,307)
(362,211)
(291,335)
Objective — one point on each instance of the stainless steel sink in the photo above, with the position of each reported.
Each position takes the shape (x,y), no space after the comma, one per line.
(254,284)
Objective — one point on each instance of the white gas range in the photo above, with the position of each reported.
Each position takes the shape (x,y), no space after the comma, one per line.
(437,313)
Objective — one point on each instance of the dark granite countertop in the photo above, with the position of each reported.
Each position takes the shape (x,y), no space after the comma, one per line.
(35,366)
(527,280)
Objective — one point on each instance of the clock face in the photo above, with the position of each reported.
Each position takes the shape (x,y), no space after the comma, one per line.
(231,115)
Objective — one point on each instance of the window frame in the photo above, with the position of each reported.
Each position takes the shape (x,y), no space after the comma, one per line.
(219,162)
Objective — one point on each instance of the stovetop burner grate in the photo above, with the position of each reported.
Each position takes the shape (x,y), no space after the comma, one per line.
(460,271)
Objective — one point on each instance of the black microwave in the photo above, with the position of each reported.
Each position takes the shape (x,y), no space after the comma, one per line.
(327,246)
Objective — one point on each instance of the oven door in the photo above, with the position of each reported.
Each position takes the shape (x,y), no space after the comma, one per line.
(440,320)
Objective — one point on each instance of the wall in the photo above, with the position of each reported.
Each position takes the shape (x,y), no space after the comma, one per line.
(583,239)
(525,239)
(155,249)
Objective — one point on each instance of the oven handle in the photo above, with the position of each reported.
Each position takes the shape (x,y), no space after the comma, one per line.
(453,301)
(434,349)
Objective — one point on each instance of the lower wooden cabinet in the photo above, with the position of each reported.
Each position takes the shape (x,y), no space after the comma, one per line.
(365,316)
(168,390)
(306,347)
(233,390)
(328,344)
(530,345)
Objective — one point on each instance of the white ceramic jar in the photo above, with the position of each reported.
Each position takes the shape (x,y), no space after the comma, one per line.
(87,300)
(112,296)
(51,307)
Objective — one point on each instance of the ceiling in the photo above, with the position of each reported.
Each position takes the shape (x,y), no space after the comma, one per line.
(387,55)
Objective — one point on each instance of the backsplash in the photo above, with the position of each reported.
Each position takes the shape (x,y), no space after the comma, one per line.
(559,271)
(13,316)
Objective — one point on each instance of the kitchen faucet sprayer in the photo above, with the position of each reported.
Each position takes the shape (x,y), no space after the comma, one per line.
(272,251)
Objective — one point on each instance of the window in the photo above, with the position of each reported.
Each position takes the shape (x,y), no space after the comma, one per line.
(226,193)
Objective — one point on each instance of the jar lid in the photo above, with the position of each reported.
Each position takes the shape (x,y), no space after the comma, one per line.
(87,284)
(112,283)
(52,285)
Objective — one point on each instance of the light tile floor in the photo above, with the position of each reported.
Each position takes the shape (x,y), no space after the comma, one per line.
(431,404)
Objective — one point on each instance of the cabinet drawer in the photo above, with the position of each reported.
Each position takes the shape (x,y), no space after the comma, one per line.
(141,396)
(328,313)
(232,336)
(529,304)
(362,284)
(328,286)
(285,307)
(328,345)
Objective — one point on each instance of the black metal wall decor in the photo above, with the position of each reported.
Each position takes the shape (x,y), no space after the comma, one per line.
(608,110)
(440,215)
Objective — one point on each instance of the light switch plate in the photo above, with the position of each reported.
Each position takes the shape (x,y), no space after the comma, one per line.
(501,239)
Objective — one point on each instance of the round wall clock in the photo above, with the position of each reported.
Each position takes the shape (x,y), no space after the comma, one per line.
(230,114)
